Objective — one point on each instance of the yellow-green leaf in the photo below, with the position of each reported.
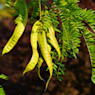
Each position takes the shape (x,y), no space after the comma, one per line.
(2,76)
(2,92)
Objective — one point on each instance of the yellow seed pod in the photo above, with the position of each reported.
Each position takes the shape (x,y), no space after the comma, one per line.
(40,61)
(49,47)
(52,40)
(34,38)
(45,53)
(33,62)
(14,38)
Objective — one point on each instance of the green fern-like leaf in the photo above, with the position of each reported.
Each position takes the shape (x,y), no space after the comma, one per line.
(71,39)
(90,42)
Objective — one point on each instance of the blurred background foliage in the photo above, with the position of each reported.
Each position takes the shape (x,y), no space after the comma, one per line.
(4,11)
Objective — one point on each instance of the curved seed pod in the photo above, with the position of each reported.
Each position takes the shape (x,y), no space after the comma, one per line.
(40,61)
(21,21)
(52,29)
(45,53)
(52,40)
(34,38)
(33,62)
(49,47)
(14,39)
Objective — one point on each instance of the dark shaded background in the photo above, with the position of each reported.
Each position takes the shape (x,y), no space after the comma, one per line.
(75,82)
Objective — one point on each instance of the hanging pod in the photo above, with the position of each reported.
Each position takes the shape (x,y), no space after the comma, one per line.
(49,47)
(45,53)
(14,39)
(35,56)
(31,65)
(40,62)
(21,21)
(52,40)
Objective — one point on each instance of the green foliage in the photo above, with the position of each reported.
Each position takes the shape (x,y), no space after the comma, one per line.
(74,23)
(71,39)
(9,3)
(35,9)
(58,67)
(2,76)
(21,9)
(90,42)
(5,12)
(2,90)
(75,20)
